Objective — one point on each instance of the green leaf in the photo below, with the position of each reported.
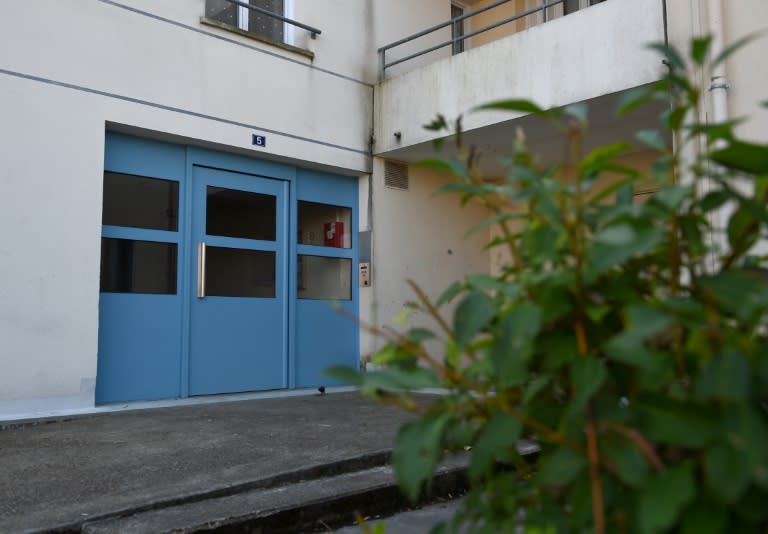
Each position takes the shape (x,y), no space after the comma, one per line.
(417,450)
(395,378)
(632,99)
(561,467)
(676,422)
(714,131)
(654,139)
(490,221)
(746,428)
(486,282)
(664,497)
(742,156)
(700,49)
(672,196)
(727,471)
(473,314)
(616,235)
(675,117)
(742,293)
(743,230)
(519,105)
(344,373)
(535,387)
(727,377)
(735,46)
(437,124)
(588,374)
(598,158)
(670,53)
(497,442)
(514,344)
(389,354)
(419,335)
(631,465)
(579,111)
(714,200)
(449,294)
(705,518)
(604,255)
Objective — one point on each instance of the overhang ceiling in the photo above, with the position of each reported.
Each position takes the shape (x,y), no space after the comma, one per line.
(544,139)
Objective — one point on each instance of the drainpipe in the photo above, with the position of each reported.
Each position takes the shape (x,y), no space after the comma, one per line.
(718,90)
(719,82)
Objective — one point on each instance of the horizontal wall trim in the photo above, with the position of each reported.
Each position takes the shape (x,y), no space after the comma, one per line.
(235,42)
(191,113)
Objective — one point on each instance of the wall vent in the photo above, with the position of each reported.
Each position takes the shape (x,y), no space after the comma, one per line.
(396,175)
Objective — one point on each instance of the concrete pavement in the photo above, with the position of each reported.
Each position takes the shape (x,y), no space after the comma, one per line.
(99,473)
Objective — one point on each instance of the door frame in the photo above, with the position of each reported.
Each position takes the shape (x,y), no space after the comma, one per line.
(258,169)
(262,349)
(143,156)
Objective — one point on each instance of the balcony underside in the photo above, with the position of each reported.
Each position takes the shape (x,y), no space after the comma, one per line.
(548,144)
(588,56)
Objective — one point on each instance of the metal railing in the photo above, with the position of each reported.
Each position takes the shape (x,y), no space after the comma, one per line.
(543,7)
(314,32)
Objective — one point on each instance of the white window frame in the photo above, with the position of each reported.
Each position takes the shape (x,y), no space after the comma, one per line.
(288,29)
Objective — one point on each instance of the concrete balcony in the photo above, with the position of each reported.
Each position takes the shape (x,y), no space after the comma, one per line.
(587,56)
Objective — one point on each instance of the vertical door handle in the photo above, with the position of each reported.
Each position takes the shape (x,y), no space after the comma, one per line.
(201,270)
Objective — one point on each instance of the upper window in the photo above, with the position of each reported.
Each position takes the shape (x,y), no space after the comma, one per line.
(571,6)
(457,29)
(249,20)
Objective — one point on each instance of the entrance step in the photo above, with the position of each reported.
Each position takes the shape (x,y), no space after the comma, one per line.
(298,506)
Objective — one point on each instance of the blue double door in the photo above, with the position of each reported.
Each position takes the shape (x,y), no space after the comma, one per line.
(218,274)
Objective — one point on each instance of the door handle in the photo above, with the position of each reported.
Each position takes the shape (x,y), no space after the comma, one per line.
(201,270)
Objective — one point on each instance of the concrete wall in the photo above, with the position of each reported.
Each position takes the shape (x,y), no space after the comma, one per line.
(396,19)
(564,61)
(420,236)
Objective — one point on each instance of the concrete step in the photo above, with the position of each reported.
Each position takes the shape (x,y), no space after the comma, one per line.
(299,506)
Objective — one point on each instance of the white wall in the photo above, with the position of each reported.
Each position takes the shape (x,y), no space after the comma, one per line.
(51,162)
(394,20)
(106,48)
(70,70)
(420,236)
(593,52)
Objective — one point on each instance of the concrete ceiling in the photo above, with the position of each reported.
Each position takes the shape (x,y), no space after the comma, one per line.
(544,139)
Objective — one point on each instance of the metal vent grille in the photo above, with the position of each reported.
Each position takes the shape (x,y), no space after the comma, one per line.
(396,175)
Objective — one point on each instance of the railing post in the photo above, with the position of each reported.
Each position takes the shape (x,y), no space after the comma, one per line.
(544,12)
(383,63)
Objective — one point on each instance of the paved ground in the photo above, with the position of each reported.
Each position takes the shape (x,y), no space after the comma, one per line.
(62,472)
(418,521)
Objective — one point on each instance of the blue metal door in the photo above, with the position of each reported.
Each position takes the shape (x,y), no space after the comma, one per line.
(140,320)
(238,312)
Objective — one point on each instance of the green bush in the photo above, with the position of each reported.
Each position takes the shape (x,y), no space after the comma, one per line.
(628,338)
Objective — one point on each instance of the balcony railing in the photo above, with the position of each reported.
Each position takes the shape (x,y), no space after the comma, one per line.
(458,38)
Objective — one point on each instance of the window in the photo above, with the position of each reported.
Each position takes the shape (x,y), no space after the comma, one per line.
(571,6)
(251,21)
(457,28)
(136,207)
